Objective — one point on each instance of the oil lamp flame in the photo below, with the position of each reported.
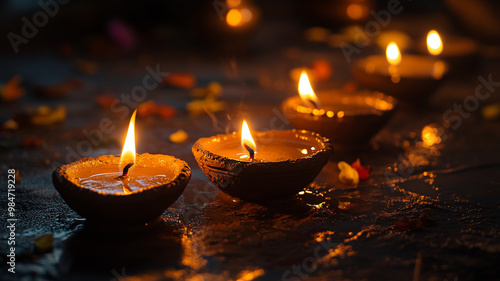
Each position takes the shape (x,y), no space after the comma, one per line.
(128,153)
(306,92)
(434,43)
(247,142)
(392,53)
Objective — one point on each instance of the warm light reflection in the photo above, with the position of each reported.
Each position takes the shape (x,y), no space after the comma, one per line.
(234,17)
(238,17)
(439,69)
(304,151)
(356,11)
(434,43)
(246,137)
(430,136)
(128,152)
(306,92)
(233,3)
(246,15)
(392,54)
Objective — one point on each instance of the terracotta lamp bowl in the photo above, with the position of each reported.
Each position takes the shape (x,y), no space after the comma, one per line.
(141,205)
(417,78)
(346,118)
(272,179)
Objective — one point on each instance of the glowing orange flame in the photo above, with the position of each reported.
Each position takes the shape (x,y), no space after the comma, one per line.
(306,92)
(434,43)
(392,54)
(128,153)
(246,137)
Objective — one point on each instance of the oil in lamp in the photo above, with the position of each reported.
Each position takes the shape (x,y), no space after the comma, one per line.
(346,118)
(411,78)
(262,166)
(122,189)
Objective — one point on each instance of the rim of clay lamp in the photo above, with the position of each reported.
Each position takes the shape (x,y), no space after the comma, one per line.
(140,205)
(328,147)
(262,181)
(386,104)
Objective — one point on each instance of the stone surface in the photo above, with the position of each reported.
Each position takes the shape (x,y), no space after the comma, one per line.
(206,235)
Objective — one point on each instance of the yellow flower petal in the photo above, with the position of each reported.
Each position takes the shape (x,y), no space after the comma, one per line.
(348,175)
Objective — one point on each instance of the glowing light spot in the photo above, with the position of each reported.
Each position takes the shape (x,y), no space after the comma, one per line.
(233,3)
(304,151)
(356,11)
(246,15)
(392,54)
(340,114)
(234,17)
(434,43)
(430,136)
(439,69)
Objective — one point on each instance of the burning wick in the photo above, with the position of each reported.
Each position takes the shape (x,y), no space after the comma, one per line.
(250,151)
(314,104)
(125,171)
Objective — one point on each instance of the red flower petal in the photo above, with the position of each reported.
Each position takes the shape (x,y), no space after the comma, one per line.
(363,170)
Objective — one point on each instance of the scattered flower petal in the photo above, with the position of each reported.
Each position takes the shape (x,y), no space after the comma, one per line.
(322,70)
(47,116)
(179,136)
(43,244)
(212,90)
(348,175)
(122,34)
(198,107)
(165,112)
(181,80)
(146,109)
(59,90)
(149,108)
(11,90)
(10,125)
(87,67)
(105,100)
(363,170)
(32,142)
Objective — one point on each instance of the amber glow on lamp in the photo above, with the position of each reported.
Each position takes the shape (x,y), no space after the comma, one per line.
(306,92)
(128,152)
(434,43)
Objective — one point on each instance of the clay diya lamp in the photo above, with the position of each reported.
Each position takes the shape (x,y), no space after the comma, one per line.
(348,119)
(122,189)
(410,78)
(461,53)
(262,166)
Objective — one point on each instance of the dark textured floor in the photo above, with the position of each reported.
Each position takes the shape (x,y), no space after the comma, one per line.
(333,233)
